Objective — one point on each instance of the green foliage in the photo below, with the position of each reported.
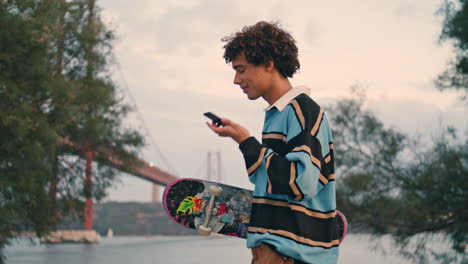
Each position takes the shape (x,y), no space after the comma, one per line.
(390,184)
(27,139)
(54,85)
(455,28)
(440,189)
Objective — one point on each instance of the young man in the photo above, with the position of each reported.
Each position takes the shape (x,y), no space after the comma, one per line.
(293,217)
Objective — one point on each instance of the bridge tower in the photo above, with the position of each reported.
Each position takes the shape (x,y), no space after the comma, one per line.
(214,167)
(88,211)
(156,194)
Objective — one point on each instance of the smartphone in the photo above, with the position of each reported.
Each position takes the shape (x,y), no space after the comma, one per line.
(216,120)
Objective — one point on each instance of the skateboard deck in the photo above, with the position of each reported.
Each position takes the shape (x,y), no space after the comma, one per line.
(212,207)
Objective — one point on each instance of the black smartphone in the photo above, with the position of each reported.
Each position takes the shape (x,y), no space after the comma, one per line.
(216,120)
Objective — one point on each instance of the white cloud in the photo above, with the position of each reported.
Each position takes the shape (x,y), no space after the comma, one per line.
(155,10)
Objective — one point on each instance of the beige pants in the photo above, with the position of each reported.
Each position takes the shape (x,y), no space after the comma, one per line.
(263,254)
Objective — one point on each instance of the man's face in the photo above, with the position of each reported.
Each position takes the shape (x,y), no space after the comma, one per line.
(254,80)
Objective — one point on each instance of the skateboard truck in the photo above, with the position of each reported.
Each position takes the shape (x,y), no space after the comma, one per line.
(204,229)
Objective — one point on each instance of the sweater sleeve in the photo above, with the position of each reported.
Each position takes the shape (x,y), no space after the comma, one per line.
(307,165)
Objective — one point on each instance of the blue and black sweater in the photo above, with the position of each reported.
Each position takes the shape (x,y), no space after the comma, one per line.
(293,171)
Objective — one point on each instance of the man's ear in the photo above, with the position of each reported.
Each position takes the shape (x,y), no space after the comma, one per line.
(270,65)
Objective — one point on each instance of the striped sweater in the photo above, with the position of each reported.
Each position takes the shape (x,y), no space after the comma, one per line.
(293,171)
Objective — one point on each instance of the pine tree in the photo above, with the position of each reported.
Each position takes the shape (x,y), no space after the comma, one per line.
(455,28)
(27,138)
(54,87)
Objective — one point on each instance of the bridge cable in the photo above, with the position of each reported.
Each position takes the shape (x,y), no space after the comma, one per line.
(142,120)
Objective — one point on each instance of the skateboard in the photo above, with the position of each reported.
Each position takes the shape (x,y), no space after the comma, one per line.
(212,207)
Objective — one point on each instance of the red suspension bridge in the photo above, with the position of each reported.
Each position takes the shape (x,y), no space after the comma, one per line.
(143,170)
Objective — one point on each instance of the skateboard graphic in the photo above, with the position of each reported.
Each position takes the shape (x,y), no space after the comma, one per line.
(212,207)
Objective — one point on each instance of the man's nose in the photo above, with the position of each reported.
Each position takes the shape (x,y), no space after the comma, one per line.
(237,80)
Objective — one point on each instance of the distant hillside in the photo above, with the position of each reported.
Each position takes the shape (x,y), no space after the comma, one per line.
(132,218)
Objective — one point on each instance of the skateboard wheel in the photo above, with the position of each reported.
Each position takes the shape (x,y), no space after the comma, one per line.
(215,190)
(204,231)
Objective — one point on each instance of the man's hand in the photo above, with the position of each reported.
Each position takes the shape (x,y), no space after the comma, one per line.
(230,129)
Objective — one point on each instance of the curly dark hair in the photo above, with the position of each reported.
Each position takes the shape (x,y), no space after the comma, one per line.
(262,43)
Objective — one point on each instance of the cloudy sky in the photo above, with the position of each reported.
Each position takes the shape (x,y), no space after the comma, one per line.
(169,56)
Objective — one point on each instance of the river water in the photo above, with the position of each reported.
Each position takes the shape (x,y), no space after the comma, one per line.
(176,249)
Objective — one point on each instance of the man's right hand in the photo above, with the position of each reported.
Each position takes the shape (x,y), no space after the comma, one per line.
(230,129)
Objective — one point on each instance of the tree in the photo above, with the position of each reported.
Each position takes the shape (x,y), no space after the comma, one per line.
(392,184)
(455,28)
(54,85)
(96,127)
(27,138)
